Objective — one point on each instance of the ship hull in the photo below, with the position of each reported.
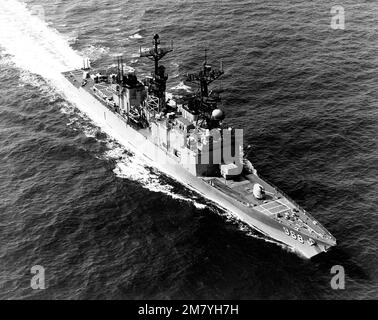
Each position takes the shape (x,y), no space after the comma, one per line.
(137,141)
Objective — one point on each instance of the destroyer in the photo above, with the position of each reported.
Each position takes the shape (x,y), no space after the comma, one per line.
(185,139)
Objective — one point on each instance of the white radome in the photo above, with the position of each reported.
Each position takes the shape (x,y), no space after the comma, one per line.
(217,114)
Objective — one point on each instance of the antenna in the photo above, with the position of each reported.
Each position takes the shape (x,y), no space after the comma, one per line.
(205,77)
(118,73)
(156,53)
(122,69)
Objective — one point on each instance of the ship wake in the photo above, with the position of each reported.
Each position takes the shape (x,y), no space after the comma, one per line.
(34,46)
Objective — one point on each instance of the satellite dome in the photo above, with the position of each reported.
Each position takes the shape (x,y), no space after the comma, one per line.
(217,114)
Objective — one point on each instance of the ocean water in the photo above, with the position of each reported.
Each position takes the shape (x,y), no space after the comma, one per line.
(104,225)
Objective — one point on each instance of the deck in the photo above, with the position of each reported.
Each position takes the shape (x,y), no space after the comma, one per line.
(275,205)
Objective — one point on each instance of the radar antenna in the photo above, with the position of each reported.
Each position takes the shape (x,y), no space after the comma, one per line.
(205,77)
(156,53)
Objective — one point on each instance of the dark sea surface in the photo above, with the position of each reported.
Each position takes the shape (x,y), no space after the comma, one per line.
(104,225)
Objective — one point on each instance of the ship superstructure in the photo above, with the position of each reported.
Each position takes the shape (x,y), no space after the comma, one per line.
(185,138)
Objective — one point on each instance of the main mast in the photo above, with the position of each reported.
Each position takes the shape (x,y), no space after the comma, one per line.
(157,85)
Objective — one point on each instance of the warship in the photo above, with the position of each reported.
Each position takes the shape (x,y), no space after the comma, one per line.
(185,138)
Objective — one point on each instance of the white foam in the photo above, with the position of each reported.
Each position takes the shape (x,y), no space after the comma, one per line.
(126,67)
(136,36)
(95,52)
(6,60)
(133,168)
(182,86)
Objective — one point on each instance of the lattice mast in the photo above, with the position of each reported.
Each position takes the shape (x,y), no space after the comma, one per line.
(157,85)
